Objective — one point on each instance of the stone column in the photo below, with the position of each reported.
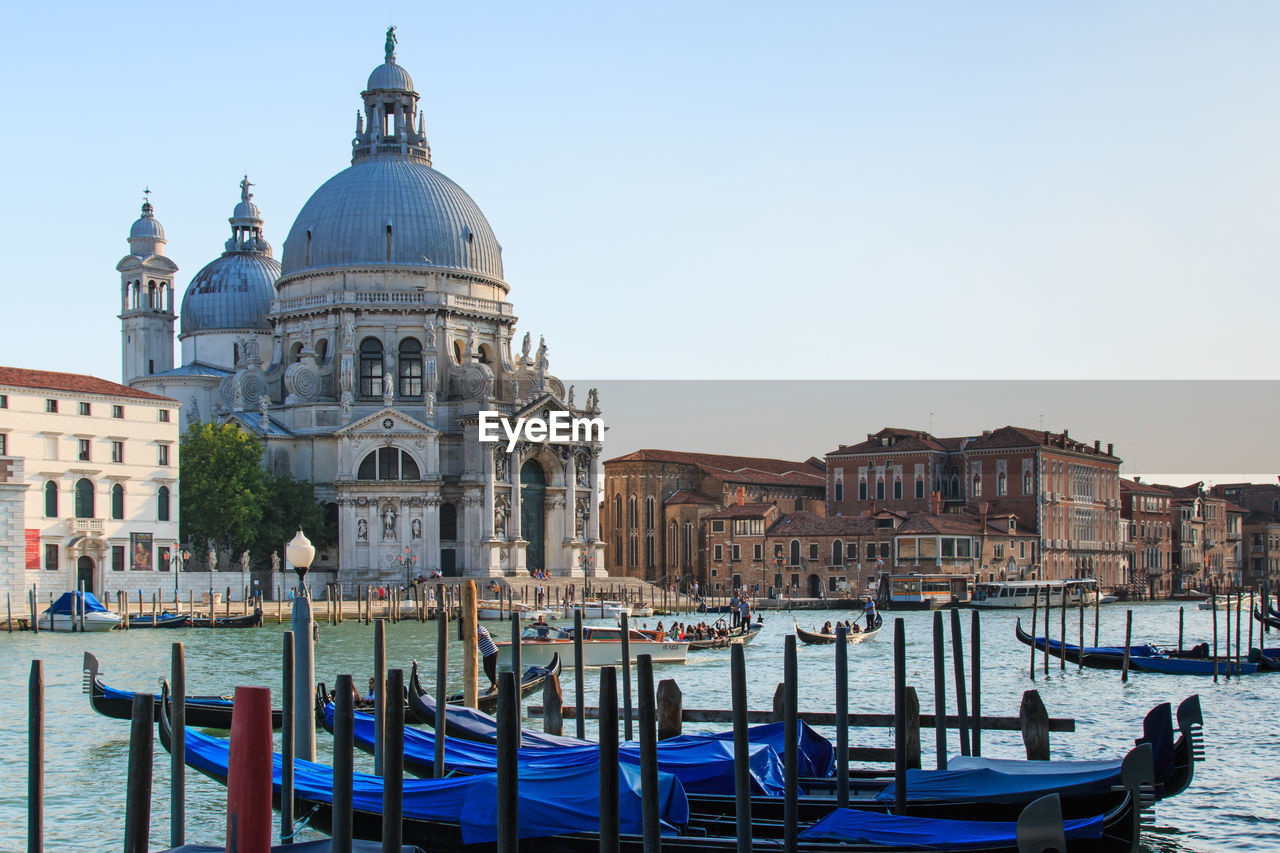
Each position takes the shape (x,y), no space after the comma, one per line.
(514,533)
(593,521)
(431,535)
(486,475)
(571,498)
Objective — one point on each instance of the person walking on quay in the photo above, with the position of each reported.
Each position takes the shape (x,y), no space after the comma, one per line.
(489,653)
(869,611)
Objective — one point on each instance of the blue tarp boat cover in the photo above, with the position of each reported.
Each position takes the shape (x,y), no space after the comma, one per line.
(1006,783)
(703,766)
(817,755)
(552,801)
(324,845)
(66,604)
(918,833)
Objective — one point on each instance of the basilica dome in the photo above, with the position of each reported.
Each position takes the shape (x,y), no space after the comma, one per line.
(147,227)
(235,291)
(391,208)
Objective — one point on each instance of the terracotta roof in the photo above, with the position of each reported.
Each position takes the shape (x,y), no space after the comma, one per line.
(71,383)
(1237,508)
(808,524)
(690,496)
(1142,488)
(738,469)
(902,441)
(752,510)
(918,441)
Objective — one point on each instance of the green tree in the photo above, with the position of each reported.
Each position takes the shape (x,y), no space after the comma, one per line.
(290,504)
(223,487)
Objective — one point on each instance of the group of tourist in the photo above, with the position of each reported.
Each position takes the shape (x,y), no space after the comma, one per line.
(680,631)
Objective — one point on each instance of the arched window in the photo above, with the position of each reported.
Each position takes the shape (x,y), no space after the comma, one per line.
(482,354)
(633,513)
(295,353)
(837,553)
(371,368)
(687,543)
(977,486)
(1002,484)
(648,513)
(648,550)
(448,522)
(880,489)
(388,463)
(117,502)
(411,368)
(897,490)
(795,552)
(322,351)
(673,545)
(919,487)
(839,490)
(1026,482)
(617,511)
(51,499)
(84,498)
(162,504)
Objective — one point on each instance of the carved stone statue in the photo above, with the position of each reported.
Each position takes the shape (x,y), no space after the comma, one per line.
(471,343)
(213,558)
(362,530)
(526,346)
(263,403)
(346,405)
(593,400)
(429,334)
(500,509)
(542,362)
(583,471)
(388,390)
(244,561)
(569,402)
(580,518)
(390,46)
(416,529)
(501,468)
(245,195)
(193,414)
(429,402)
(275,562)
(389,522)
(349,334)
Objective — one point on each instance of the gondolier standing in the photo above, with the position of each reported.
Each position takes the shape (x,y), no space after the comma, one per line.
(489,653)
(869,611)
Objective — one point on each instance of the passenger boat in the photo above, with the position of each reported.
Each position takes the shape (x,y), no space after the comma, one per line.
(817,638)
(601,646)
(559,810)
(742,635)
(917,591)
(500,610)
(161,620)
(998,595)
(208,712)
(1228,602)
(64,614)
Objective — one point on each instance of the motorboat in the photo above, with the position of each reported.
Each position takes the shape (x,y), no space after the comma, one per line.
(601,646)
(500,610)
(64,614)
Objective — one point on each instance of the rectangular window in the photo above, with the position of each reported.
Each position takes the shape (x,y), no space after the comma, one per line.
(86,409)
(839,490)
(737,552)
(897,490)
(51,557)
(117,558)
(164,416)
(164,454)
(871,550)
(117,451)
(84,450)
(997,551)
(862,490)
(717,527)
(51,406)
(884,550)
(4,401)
(117,412)
(1022,550)
(813,551)
(717,553)
(4,444)
(879,490)
(757,552)
(919,487)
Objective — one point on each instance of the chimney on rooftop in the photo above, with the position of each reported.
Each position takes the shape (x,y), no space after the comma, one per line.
(742,495)
(1097,445)
(1137,478)
(1111,448)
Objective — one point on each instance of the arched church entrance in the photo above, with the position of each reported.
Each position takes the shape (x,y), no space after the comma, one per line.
(815,586)
(533,514)
(84,573)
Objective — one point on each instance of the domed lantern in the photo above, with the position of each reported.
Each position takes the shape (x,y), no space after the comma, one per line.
(300,552)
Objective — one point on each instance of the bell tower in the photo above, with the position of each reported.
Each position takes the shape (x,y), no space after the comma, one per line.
(146,300)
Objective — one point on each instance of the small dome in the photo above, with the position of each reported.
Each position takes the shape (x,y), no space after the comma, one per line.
(232,293)
(388,75)
(147,227)
(246,210)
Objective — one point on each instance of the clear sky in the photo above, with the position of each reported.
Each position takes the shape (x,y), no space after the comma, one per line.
(701,189)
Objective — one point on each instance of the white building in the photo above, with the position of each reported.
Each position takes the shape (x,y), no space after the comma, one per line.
(364,359)
(97,463)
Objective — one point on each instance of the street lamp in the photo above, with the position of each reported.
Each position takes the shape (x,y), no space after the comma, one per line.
(407,560)
(300,552)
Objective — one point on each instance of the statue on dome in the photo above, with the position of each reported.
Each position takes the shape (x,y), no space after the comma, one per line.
(525,347)
(593,400)
(569,400)
(391,45)
(245,195)
(543,362)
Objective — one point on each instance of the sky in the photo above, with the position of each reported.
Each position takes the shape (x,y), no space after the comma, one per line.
(712,190)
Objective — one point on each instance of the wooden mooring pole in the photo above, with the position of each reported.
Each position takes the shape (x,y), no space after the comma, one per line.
(957,659)
(137,810)
(741,747)
(791,754)
(648,756)
(940,690)
(842,714)
(288,704)
(442,675)
(393,763)
(35,757)
(178,748)
(608,759)
(343,763)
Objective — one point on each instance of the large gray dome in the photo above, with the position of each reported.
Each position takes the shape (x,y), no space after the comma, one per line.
(232,293)
(392,211)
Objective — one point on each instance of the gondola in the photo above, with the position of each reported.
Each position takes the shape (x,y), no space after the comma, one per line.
(558,813)
(1271,618)
(208,712)
(1145,657)
(163,620)
(739,635)
(817,638)
(248,620)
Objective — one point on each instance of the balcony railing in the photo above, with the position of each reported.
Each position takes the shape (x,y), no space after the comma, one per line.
(87,526)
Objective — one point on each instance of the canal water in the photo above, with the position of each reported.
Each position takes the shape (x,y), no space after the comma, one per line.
(1233,804)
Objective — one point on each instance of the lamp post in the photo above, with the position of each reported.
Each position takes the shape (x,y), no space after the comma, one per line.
(407,561)
(300,552)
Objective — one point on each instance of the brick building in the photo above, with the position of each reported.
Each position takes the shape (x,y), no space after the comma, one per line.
(1258,505)
(1148,508)
(1066,491)
(654,501)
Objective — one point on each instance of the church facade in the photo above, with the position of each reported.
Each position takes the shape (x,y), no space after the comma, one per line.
(364,357)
